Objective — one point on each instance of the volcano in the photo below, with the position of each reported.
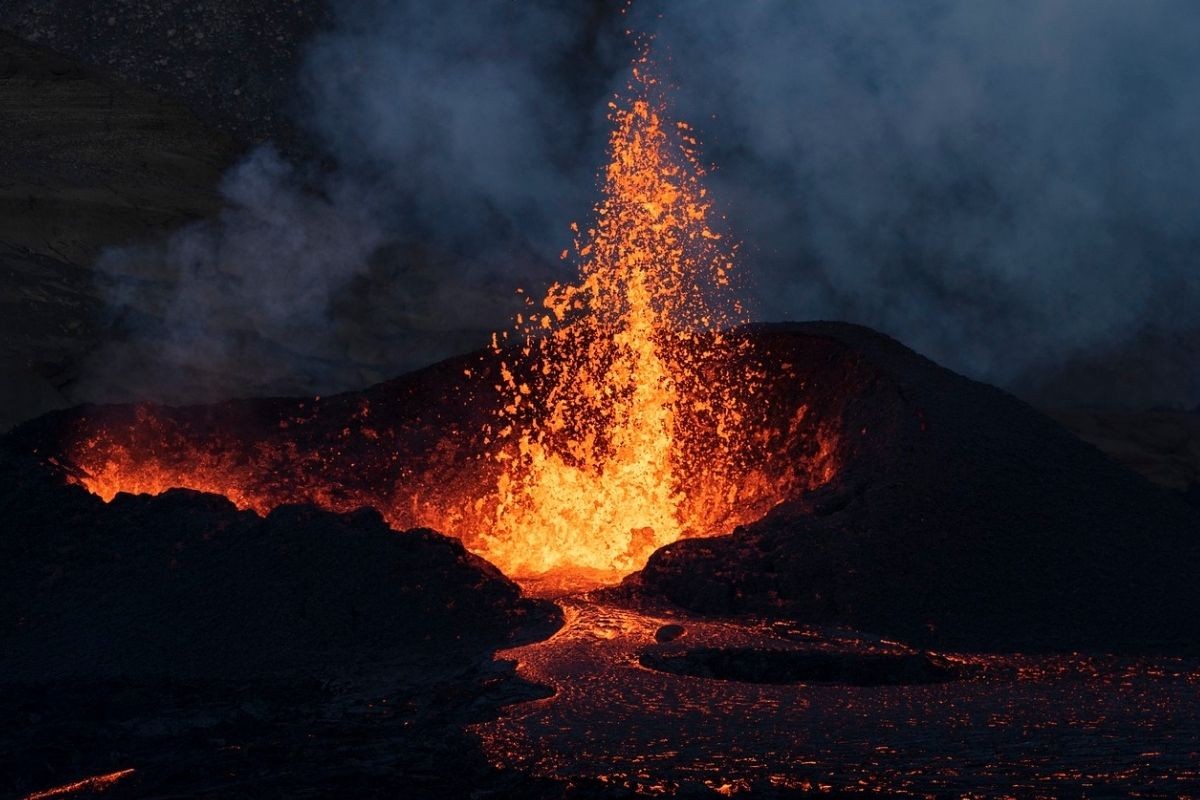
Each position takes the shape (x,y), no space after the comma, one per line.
(638,544)
(892,496)
(820,471)
(911,503)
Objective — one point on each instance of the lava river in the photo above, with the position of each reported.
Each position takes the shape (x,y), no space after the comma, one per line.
(871,716)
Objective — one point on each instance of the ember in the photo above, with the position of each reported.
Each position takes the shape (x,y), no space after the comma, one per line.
(96,783)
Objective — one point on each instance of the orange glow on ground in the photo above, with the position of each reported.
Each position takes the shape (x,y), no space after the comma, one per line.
(97,783)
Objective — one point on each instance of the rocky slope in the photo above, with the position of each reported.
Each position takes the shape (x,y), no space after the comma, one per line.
(184,586)
(217,653)
(960,518)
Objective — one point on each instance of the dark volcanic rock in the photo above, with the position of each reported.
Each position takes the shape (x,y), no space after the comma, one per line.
(233,63)
(752,665)
(184,585)
(960,517)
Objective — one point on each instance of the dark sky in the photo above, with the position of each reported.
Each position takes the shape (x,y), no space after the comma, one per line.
(1009,188)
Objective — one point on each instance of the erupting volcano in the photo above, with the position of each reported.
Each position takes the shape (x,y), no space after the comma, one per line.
(639,544)
(635,381)
(623,413)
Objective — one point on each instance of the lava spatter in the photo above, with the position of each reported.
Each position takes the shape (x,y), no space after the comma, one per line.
(625,397)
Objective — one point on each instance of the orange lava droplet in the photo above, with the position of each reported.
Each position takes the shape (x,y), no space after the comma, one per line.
(601,477)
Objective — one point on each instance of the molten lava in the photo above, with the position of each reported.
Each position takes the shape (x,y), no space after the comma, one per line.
(92,785)
(626,412)
(595,482)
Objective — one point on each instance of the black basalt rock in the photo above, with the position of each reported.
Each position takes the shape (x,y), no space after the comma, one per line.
(959,517)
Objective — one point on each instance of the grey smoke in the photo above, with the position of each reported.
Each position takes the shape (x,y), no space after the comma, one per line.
(471,111)
(1006,187)
(224,306)
(1009,188)
(464,140)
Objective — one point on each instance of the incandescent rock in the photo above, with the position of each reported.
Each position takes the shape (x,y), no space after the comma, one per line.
(948,514)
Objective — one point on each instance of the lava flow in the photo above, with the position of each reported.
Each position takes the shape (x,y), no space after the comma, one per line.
(624,412)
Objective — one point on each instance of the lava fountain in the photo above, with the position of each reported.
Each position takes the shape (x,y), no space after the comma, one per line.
(624,411)
(624,404)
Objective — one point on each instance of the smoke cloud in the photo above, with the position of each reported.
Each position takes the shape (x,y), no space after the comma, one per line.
(1008,188)
(456,143)
(239,304)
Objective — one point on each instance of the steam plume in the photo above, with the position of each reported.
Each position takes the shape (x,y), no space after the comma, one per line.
(1008,188)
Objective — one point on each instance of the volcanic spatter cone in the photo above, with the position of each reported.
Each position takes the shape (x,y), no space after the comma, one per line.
(624,414)
(909,501)
(634,413)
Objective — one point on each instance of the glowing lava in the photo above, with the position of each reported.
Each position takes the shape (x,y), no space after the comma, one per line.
(623,404)
(94,784)
(625,413)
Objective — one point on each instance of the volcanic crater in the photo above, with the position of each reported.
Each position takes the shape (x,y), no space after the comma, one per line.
(940,515)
